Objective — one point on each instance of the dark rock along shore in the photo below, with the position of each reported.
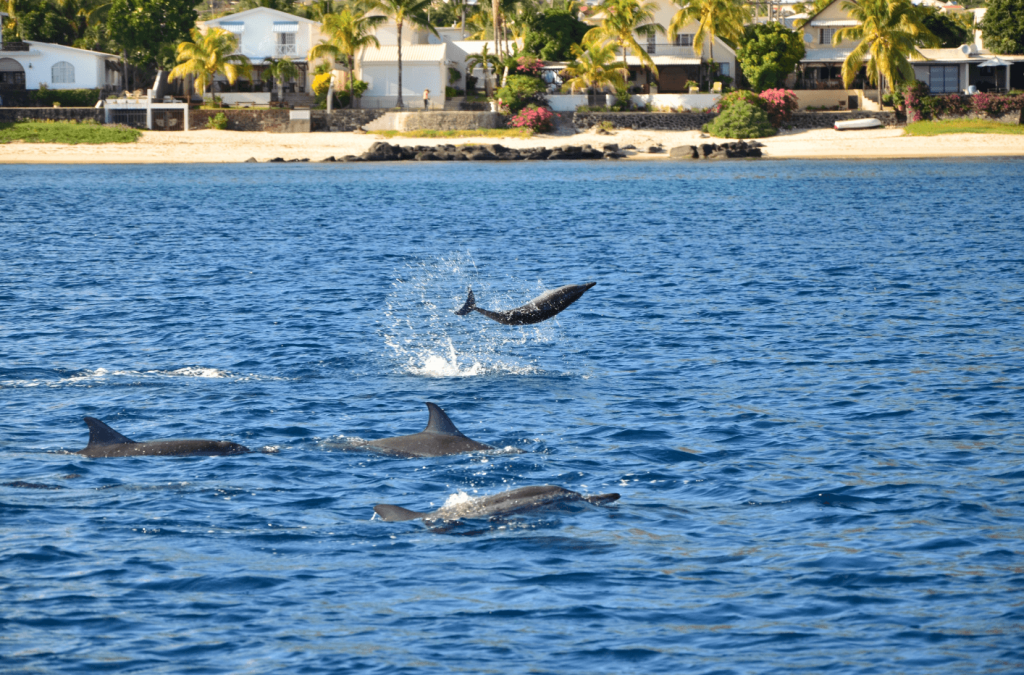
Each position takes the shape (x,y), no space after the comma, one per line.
(385,152)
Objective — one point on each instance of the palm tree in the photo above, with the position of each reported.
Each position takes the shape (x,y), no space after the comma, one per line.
(718,18)
(347,33)
(279,71)
(594,68)
(486,62)
(413,11)
(620,20)
(888,30)
(207,55)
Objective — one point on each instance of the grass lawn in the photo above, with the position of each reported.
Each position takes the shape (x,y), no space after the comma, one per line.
(461,133)
(937,127)
(66,132)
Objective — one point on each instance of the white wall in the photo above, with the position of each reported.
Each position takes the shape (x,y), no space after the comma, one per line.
(569,102)
(383,81)
(259,41)
(685,101)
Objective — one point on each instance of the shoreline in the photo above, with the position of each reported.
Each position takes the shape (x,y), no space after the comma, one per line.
(208,146)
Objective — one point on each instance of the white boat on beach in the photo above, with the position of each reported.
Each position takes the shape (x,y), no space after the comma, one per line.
(863,123)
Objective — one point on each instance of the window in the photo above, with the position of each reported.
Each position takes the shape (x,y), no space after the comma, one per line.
(723,69)
(826,35)
(286,44)
(684,39)
(944,79)
(62,73)
(652,46)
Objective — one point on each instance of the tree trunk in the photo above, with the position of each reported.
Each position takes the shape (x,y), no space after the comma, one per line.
(124,69)
(399,103)
(351,81)
(494,17)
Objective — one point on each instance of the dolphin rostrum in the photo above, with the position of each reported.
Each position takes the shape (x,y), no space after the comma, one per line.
(439,438)
(105,442)
(520,500)
(544,306)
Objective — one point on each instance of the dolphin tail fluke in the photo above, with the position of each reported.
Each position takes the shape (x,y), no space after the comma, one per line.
(469,306)
(601,500)
(395,514)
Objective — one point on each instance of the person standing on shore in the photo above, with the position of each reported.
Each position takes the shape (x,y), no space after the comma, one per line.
(426,99)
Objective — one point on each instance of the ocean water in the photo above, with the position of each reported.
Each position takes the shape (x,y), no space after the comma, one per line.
(805,379)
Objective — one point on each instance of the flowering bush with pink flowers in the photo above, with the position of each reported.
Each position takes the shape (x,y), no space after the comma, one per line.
(539,119)
(780,105)
(914,99)
(528,64)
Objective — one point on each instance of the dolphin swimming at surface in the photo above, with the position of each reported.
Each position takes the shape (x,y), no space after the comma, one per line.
(105,442)
(544,306)
(520,500)
(438,439)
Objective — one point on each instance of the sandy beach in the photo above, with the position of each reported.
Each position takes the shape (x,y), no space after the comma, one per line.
(212,146)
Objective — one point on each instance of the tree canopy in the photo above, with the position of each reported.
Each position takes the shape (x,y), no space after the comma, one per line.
(143,27)
(1003,26)
(552,34)
(952,33)
(767,53)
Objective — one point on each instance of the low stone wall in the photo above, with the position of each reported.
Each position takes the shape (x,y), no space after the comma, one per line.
(696,121)
(62,114)
(276,119)
(641,120)
(825,120)
(439,121)
(1012,117)
(241,120)
(343,120)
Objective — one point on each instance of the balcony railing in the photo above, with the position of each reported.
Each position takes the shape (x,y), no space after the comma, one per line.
(14,47)
(285,50)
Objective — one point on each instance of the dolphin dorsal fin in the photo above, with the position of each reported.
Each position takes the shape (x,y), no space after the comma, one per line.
(101,434)
(439,422)
(390,513)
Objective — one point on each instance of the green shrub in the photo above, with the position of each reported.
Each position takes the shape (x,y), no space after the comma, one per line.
(735,97)
(67,98)
(741,120)
(218,121)
(520,91)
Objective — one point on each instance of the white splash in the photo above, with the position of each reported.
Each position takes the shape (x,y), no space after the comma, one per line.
(456,500)
(425,338)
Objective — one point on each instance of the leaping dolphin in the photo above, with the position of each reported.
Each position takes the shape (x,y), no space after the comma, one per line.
(105,442)
(503,504)
(438,439)
(544,306)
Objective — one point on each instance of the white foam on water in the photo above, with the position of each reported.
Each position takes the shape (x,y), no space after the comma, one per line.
(456,500)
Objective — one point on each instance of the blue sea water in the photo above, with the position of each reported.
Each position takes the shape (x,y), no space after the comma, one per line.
(805,379)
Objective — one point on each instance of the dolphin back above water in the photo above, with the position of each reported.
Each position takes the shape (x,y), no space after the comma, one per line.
(440,438)
(512,502)
(105,442)
(544,306)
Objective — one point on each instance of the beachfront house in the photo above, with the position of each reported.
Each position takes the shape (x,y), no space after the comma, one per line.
(425,62)
(265,35)
(27,65)
(818,81)
(964,69)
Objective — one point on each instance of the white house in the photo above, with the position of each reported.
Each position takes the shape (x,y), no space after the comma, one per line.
(265,33)
(32,65)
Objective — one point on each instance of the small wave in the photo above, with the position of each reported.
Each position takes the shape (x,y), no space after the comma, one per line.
(91,375)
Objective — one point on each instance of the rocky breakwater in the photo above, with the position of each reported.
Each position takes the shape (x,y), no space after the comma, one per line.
(385,152)
(736,150)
